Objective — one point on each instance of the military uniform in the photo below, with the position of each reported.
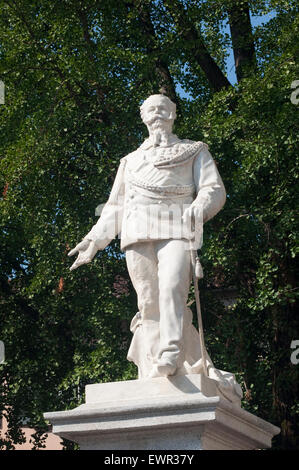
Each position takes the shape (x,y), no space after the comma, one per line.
(175,175)
(153,187)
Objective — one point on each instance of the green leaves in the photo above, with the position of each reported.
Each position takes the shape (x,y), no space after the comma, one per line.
(75,75)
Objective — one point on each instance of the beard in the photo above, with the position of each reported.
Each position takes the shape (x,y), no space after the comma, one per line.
(159,130)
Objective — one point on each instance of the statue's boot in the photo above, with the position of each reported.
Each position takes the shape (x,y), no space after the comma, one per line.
(163,368)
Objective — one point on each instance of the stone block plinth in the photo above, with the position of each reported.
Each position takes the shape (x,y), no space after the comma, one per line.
(178,413)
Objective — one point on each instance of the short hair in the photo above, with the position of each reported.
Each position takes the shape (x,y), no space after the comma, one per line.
(170,104)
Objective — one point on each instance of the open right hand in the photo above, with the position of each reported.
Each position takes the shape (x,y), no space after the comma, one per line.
(86,251)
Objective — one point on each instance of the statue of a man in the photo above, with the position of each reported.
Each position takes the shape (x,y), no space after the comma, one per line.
(161,192)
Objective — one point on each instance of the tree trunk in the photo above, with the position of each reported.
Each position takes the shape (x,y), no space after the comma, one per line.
(242,38)
(216,78)
(161,67)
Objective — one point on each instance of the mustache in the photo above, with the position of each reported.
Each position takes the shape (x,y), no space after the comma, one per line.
(157,118)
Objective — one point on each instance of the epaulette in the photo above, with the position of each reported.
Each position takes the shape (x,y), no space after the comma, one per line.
(190,152)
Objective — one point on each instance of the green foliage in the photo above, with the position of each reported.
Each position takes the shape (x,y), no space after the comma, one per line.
(75,73)
(251,245)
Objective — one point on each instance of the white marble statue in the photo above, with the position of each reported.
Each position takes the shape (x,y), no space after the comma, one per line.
(163,192)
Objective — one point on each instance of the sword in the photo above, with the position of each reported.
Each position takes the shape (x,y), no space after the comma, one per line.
(198,274)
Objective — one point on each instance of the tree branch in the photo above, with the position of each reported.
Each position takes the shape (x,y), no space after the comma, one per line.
(90,49)
(161,67)
(216,78)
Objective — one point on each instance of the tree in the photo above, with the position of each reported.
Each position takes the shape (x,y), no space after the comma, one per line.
(75,74)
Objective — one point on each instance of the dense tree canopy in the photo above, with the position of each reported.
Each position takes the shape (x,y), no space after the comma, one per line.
(75,74)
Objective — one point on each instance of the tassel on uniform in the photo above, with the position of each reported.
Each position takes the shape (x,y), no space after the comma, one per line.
(198,269)
(60,285)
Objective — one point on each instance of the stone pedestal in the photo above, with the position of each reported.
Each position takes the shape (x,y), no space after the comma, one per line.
(178,413)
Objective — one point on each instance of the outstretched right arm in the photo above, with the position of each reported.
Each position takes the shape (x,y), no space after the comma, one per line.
(107,227)
(86,251)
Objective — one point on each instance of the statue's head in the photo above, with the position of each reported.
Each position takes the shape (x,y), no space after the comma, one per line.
(158,108)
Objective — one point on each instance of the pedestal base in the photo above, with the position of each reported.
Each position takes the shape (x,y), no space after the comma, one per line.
(174,413)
